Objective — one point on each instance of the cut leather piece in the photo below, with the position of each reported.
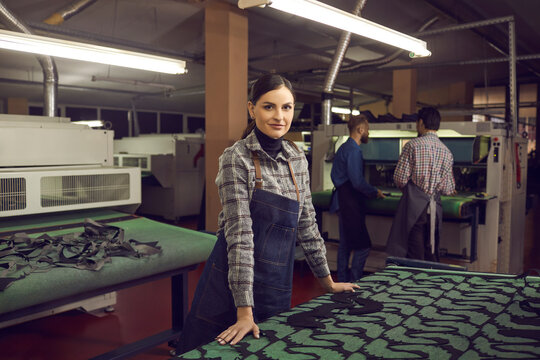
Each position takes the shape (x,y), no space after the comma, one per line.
(20,254)
(351,302)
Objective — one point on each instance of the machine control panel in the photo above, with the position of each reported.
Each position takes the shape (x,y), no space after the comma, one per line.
(496,147)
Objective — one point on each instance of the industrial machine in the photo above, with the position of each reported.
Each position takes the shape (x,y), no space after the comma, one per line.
(173,171)
(48,164)
(483,226)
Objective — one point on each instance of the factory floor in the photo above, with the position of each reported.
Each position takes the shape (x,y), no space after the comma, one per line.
(145,310)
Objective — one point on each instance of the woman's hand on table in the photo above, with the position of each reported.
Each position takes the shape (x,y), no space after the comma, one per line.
(243,326)
(343,287)
(337,287)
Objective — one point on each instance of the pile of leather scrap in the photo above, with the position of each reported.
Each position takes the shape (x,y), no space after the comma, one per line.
(21,255)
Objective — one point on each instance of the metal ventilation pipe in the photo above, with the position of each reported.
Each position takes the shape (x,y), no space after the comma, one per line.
(331,75)
(50,74)
(67,12)
(387,59)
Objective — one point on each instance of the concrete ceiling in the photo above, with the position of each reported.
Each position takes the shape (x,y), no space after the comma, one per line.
(298,48)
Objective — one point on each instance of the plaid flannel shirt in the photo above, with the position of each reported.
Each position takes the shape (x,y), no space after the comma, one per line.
(428,163)
(236,182)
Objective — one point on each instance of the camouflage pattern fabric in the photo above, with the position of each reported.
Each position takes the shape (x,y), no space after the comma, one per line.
(404,313)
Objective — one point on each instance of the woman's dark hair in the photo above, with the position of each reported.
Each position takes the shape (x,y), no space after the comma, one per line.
(260,87)
(431,117)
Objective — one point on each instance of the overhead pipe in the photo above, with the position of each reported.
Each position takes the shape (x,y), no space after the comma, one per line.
(327,95)
(103,39)
(451,63)
(164,87)
(494,21)
(138,94)
(387,58)
(69,11)
(48,66)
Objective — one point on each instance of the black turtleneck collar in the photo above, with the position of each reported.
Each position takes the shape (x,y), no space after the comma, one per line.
(269,145)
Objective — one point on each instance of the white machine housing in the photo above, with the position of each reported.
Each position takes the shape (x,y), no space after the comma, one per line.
(176,163)
(48,164)
(499,239)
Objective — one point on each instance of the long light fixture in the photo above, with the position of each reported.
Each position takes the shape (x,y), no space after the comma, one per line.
(87,52)
(317,11)
(344,111)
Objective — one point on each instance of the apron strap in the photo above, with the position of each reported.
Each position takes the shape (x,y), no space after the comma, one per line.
(258,175)
(432,211)
(294,181)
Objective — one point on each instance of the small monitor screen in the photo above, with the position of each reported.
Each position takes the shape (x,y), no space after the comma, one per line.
(381,149)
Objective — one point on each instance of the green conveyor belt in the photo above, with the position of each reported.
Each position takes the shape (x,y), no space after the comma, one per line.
(23,223)
(454,207)
(180,247)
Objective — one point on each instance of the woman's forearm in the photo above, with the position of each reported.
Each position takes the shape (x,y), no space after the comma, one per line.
(327,283)
(243,312)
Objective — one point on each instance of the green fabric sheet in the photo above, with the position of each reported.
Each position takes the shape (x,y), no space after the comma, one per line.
(181,247)
(25,223)
(453,206)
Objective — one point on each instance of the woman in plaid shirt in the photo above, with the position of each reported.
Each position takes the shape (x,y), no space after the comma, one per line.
(263,184)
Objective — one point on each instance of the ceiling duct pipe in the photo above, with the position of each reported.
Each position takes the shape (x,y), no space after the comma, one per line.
(69,11)
(387,59)
(331,75)
(50,74)
(381,60)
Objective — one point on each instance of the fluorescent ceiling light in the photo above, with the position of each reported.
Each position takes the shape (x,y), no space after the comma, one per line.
(317,11)
(402,134)
(344,111)
(90,123)
(86,52)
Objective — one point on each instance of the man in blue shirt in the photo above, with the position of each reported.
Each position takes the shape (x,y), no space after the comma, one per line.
(352,191)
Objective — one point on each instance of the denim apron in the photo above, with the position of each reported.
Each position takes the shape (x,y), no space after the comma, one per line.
(353,210)
(411,205)
(275,222)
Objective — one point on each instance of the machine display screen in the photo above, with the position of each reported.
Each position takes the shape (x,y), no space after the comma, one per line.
(472,150)
(381,149)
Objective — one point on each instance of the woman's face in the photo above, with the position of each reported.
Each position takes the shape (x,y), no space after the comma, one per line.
(273,112)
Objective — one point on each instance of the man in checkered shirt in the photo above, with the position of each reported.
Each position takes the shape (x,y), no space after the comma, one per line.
(423,173)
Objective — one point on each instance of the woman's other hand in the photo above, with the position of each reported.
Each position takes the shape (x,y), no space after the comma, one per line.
(243,326)
(337,287)
(343,287)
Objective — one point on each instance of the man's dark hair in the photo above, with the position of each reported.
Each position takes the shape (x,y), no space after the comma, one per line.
(431,117)
(355,121)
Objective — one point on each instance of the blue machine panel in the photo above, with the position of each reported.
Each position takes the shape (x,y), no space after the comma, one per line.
(385,149)
(461,148)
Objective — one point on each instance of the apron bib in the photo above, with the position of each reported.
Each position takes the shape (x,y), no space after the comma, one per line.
(274,224)
(352,210)
(411,205)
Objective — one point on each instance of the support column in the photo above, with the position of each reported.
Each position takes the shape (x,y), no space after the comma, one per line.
(17,106)
(460,93)
(404,92)
(226,60)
